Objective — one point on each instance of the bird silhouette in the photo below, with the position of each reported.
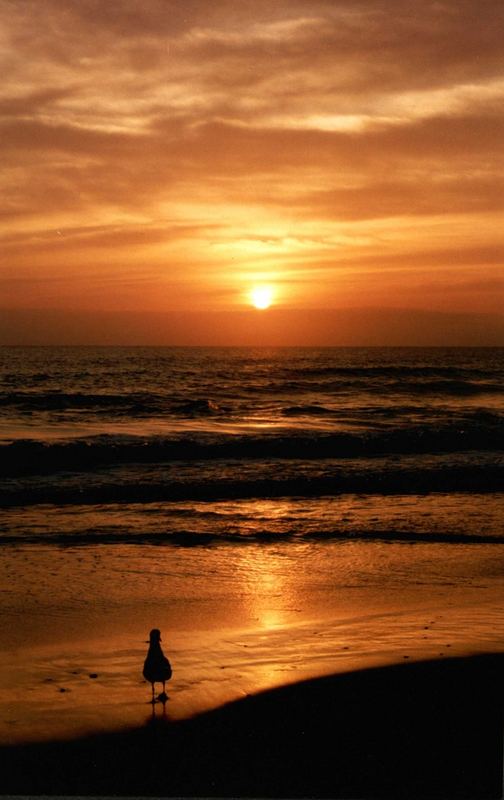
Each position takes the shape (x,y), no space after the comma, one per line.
(157,668)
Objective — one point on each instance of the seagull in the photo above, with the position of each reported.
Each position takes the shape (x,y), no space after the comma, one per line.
(157,668)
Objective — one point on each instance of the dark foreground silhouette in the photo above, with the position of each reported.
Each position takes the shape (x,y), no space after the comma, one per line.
(431,729)
(157,668)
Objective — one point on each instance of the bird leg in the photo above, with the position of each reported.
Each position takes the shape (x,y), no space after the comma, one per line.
(163,697)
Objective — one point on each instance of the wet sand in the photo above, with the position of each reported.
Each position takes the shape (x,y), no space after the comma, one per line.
(425,729)
(407,706)
(67,689)
(235,621)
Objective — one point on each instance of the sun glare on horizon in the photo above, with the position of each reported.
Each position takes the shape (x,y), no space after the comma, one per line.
(261,297)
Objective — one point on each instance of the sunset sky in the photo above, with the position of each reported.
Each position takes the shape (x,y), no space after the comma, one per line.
(161,160)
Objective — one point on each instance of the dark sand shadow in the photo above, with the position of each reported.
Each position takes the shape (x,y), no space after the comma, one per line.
(431,729)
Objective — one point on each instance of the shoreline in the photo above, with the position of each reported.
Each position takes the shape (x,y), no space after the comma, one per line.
(94,686)
(422,729)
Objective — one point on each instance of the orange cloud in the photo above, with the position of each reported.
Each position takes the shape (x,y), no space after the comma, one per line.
(164,154)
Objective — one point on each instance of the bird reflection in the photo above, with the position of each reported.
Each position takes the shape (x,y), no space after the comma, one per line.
(158,718)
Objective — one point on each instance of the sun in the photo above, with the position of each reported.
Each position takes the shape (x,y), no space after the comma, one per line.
(261,296)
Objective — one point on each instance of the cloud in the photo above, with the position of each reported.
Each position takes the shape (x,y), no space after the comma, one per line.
(402,197)
(211,57)
(253,137)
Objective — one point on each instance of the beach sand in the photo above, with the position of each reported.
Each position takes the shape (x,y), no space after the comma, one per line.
(234,621)
(67,689)
(426,729)
(400,692)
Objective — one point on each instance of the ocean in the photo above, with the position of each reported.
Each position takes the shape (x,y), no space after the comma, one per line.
(333,505)
(187,425)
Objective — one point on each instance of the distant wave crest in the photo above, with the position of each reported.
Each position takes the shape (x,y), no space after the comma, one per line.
(129,404)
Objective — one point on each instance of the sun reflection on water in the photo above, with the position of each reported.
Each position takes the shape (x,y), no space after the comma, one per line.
(265,570)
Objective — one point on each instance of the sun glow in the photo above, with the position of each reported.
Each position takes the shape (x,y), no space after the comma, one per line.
(261,296)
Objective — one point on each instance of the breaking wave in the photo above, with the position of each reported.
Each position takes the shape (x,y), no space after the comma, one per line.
(30,456)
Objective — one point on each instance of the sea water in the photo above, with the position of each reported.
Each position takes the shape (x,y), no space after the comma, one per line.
(277,512)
